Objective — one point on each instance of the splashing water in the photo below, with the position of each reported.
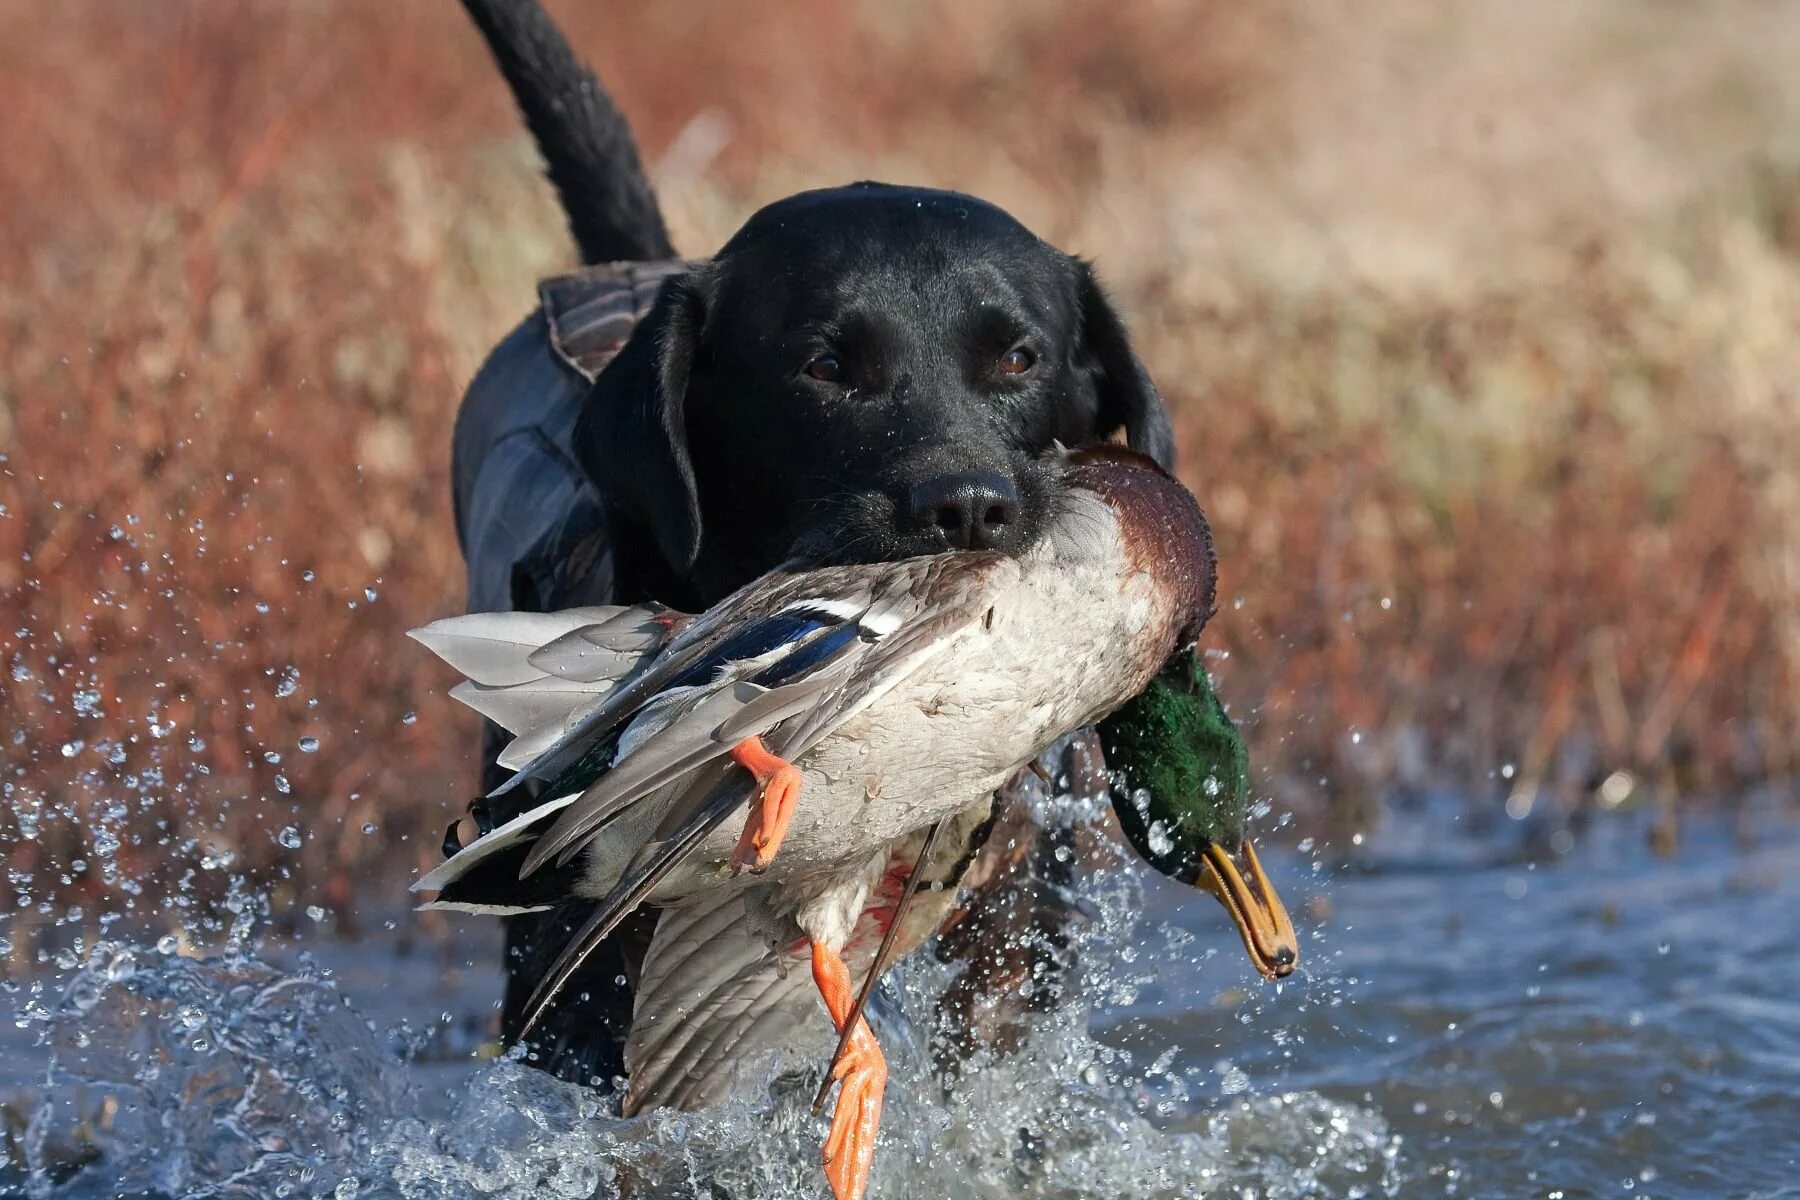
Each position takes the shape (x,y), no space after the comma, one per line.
(179,1077)
(1497,1030)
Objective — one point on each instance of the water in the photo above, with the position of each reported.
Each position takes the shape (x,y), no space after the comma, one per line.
(1467,1024)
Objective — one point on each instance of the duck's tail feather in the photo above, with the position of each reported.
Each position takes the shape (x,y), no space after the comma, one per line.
(483,876)
(706,804)
(537,674)
(525,706)
(493,648)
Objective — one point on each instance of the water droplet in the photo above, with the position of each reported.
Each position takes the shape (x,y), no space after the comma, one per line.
(369,594)
(289,683)
(1158,838)
(71,749)
(315,913)
(308,745)
(409,718)
(282,785)
(368,827)
(289,837)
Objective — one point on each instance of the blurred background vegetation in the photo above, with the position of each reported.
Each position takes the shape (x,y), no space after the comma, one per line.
(1479,323)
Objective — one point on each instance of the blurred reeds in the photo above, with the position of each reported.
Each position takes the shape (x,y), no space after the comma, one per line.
(1479,323)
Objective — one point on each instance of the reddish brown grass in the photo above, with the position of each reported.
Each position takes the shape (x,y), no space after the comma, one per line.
(1486,384)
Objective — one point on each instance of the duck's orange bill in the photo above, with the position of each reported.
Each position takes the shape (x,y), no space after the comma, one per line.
(1245,891)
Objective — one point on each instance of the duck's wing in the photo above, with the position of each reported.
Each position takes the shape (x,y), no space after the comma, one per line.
(555,681)
(709,799)
(865,629)
(756,620)
(713,999)
(712,1005)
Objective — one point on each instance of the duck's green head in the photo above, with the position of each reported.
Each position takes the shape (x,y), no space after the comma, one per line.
(1187,797)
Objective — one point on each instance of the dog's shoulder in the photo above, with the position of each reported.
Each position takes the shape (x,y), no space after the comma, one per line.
(591,312)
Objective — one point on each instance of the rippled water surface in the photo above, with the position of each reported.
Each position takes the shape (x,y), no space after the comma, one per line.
(1468,1024)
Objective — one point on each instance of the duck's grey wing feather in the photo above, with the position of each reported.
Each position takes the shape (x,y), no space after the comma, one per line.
(495,648)
(709,1001)
(689,740)
(721,796)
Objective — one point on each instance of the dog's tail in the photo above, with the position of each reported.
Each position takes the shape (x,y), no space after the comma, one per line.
(586,144)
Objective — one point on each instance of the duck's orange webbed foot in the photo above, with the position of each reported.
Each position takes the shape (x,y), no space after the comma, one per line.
(850,1146)
(777,792)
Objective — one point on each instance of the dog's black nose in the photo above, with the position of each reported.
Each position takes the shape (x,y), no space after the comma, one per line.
(973,510)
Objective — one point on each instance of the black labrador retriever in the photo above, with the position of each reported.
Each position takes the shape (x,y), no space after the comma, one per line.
(861,373)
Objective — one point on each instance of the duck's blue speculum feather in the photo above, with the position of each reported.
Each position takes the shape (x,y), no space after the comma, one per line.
(809,657)
(754,640)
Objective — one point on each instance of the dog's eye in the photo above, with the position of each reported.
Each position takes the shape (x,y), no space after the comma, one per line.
(826,368)
(1017,361)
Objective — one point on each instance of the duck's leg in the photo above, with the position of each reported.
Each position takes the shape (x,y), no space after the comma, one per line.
(777,792)
(879,965)
(850,1146)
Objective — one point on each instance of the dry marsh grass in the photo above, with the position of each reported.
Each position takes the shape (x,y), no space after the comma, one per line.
(1478,321)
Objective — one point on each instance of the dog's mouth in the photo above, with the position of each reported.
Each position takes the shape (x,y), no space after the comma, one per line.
(973,510)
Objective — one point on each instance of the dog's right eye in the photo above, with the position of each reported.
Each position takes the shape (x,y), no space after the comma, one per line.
(826,368)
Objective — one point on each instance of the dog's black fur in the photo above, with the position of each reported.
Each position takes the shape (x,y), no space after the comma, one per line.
(862,373)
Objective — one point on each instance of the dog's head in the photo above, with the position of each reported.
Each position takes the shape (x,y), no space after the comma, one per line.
(861,374)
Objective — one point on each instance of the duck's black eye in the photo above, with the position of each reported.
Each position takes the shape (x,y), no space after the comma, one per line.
(1017,361)
(826,368)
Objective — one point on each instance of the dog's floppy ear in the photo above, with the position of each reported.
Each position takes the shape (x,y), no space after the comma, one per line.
(631,438)
(1128,399)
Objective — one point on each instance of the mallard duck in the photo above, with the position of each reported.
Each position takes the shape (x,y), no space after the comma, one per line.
(863,713)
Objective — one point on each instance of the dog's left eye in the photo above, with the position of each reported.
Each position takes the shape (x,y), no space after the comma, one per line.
(1017,361)
(826,368)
